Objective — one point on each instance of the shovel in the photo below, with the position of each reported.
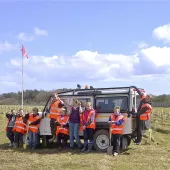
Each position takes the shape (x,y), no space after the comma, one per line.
(25,142)
(110,148)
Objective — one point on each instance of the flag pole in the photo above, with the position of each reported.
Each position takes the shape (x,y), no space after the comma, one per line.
(22,103)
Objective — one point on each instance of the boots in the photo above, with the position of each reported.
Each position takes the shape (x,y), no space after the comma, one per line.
(90,146)
(85,146)
(53,139)
(15,145)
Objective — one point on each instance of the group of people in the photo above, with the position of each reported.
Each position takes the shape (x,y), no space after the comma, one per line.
(66,124)
(69,123)
(20,126)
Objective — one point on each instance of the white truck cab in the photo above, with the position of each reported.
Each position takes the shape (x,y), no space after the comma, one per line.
(103,101)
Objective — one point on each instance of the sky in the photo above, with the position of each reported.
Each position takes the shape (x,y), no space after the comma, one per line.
(98,43)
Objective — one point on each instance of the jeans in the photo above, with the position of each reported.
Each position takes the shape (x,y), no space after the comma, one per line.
(18,139)
(73,132)
(10,134)
(140,128)
(33,139)
(116,142)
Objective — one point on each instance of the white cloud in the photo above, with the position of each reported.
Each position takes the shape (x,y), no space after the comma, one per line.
(142,45)
(8,83)
(6,46)
(162,32)
(25,37)
(93,66)
(37,32)
(40,32)
(15,62)
(87,66)
(159,56)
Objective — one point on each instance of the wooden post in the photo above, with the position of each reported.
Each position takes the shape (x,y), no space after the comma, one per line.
(165,117)
(155,125)
(150,135)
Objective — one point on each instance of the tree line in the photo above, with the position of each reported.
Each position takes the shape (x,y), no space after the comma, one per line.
(31,97)
(40,97)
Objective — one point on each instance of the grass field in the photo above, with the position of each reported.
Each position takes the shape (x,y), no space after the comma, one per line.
(6,108)
(148,156)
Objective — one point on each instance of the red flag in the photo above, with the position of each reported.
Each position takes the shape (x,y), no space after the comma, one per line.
(24,53)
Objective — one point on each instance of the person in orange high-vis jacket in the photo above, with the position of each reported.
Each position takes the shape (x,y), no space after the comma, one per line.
(88,125)
(54,112)
(116,124)
(143,114)
(33,120)
(62,130)
(19,129)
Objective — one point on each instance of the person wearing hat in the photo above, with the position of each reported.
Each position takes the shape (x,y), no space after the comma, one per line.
(62,130)
(116,124)
(143,114)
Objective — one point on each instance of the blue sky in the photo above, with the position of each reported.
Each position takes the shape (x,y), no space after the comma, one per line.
(103,44)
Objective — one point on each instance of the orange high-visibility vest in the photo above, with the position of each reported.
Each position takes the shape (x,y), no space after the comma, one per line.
(54,110)
(115,128)
(32,118)
(146,115)
(63,120)
(90,115)
(19,125)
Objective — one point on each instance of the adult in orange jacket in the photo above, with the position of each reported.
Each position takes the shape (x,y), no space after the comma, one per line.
(143,114)
(54,112)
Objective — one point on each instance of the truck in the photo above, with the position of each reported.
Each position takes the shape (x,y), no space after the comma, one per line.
(103,101)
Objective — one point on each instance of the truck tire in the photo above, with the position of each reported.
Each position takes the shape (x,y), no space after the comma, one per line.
(101,140)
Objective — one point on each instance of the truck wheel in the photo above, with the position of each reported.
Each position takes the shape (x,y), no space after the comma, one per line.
(101,140)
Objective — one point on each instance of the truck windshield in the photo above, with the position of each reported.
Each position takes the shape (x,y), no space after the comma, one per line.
(107,104)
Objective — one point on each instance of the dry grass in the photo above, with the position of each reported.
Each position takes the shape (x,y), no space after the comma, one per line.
(148,156)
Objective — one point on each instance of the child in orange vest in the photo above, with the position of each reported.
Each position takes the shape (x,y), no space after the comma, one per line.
(19,129)
(89,125)
(33,120)
(116,124)
(62,130)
